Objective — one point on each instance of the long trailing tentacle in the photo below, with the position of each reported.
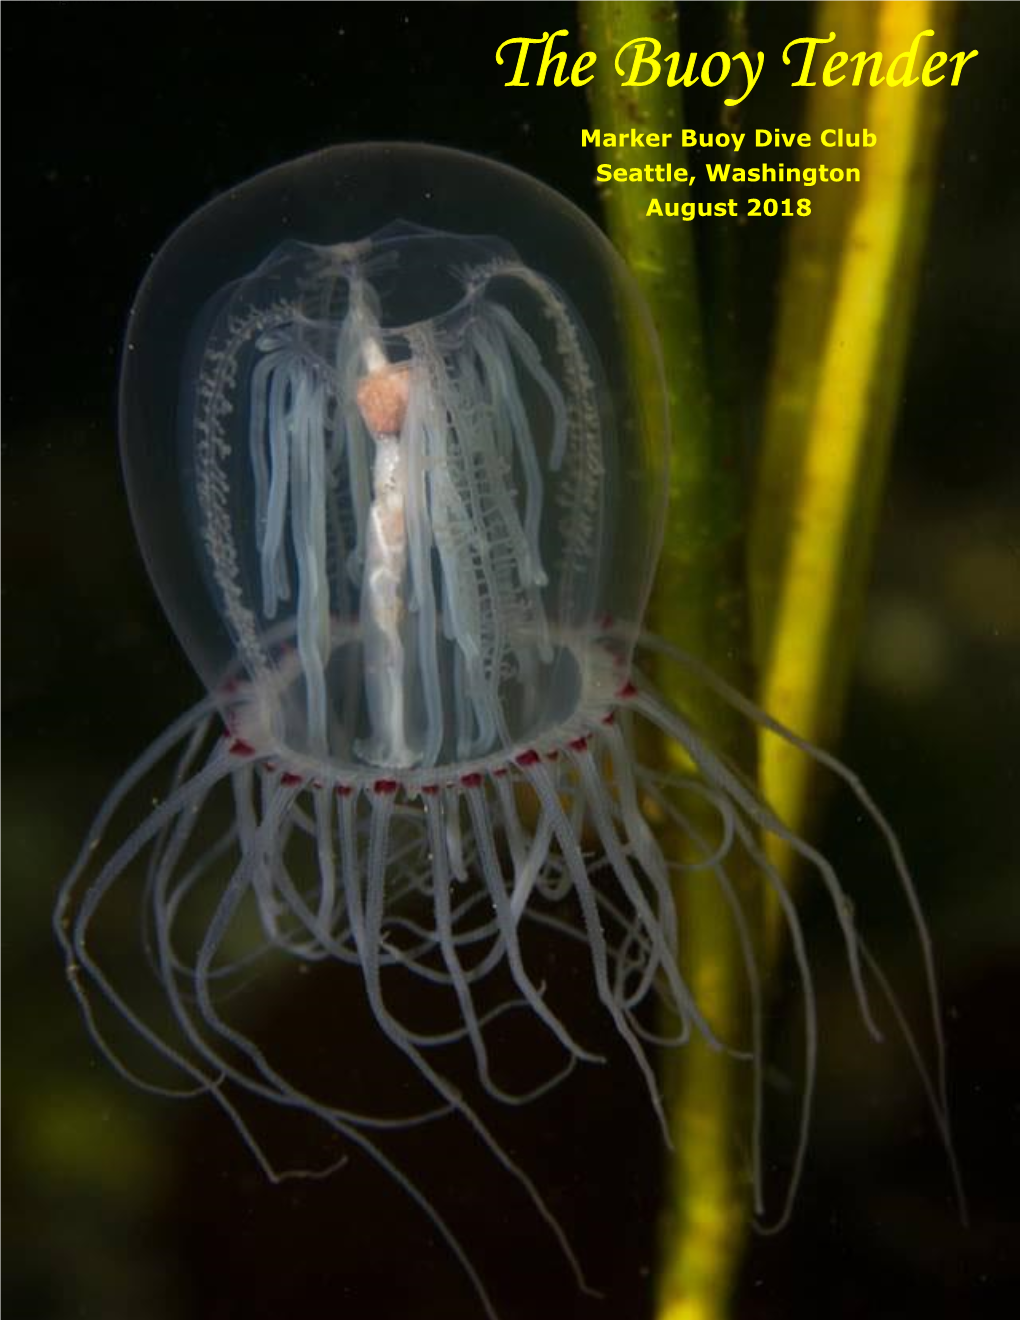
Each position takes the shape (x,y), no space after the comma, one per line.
(545,790)
(713,862)
(346,1125)
(72,919)
(273,1085)
(493,878)
(686,1008)
(715,769)
(168,830)
(365,910)
(461,983)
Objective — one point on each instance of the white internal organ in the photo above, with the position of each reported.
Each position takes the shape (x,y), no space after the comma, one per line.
(382,400)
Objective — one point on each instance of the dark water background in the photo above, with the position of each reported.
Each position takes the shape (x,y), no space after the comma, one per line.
(121,121)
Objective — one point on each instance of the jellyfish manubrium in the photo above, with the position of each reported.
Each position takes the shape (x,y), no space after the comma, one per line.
(395,438)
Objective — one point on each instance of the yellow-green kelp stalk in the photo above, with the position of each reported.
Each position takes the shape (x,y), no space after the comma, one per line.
(699,603)
(847,298)
(846,301)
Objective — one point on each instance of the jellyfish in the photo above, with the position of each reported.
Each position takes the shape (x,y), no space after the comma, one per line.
(394,434)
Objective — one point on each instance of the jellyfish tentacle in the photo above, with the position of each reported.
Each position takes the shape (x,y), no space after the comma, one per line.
(460,982)
(492,874)
(349,1127)
(832,763)
(192,751)
(457,511)
(478,933)
(936,1101)
(182,807)
(507,555)
(714,769)
(746,837)
(662,879)
(325,857)
(444,931)
(526,352)
(529,857)
(308,539)
(647,850)
(198,717)
(714,863)
(287,901)
(273,1086)
(236,970)
(513,437)
(713,856)
(684,1003)
(345,1125)
(511,822)
(279,439)
(858,955)
(269,442)
(325,941)
(325,945)
(799,946)
(494,345)
(539,778)
(266,870)
(641,841)
(73,938)
(366,920)
(187,800)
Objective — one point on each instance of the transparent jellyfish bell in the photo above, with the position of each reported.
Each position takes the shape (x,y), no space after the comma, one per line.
(395,438)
